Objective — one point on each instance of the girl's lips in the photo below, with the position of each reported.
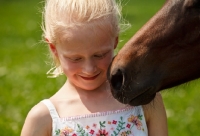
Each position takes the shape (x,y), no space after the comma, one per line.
(90,78)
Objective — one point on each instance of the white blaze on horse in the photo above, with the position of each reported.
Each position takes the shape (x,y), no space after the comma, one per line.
(164,53)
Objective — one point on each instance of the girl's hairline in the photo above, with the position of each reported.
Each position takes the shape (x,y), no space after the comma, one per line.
(63,27)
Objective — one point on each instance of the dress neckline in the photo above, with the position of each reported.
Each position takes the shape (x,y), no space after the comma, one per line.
(97,114)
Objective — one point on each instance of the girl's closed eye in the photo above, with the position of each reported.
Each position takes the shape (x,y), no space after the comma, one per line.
(74,59)
(101,55)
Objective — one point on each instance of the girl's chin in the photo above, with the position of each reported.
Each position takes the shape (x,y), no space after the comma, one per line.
(91,86)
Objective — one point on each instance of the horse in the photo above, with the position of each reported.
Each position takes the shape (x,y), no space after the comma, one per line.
(164,53)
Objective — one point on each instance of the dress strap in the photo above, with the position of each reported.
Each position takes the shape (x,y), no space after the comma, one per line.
(51,108)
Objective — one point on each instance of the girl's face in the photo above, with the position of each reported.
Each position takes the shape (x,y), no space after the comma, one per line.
(85,56)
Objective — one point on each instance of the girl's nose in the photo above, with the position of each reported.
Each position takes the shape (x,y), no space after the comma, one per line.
(89,67)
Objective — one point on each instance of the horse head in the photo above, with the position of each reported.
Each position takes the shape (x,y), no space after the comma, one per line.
(164,53)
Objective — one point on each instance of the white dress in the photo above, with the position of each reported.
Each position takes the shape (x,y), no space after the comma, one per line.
(129,121)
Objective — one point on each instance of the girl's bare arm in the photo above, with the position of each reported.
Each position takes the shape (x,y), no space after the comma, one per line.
(38,122)
(156,117)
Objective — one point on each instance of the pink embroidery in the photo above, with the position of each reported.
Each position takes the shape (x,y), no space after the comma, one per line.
(114,122)
(135,120)
(91,131)
(66,131)
(102,133)
(128,125)
(116,126)
(94,125)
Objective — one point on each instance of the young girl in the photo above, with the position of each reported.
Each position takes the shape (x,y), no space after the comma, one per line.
(82,36)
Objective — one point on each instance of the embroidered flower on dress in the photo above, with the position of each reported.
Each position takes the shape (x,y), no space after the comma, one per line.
(136,121)
(128,125)
(114,122)
(87,127)
(102,133)
(121,126)
(94,125)
(66,131)
(127,133)
(123,134)
(92,131)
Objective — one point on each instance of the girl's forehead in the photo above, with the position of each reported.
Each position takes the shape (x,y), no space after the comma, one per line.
(86,39)
(85,35)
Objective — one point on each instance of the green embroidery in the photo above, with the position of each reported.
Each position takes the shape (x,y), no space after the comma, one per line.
(102,124)
(81,131)
(140,117)
(128,132)
(58,132)
(120,127)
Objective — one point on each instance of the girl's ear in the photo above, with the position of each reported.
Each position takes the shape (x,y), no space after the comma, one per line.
(52,47)
(116,42)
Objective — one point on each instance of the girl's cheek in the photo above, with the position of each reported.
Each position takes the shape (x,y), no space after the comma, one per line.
(109,59)
(67,65)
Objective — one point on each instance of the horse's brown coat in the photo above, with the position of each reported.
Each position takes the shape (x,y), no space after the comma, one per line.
(164,53)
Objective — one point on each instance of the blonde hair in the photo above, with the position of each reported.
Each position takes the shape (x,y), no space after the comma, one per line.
(63,15)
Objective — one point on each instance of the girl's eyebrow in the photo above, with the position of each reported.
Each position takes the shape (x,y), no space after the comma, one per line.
(105,52)
(105,49)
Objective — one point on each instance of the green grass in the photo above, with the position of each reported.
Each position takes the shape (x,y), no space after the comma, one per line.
(24,62)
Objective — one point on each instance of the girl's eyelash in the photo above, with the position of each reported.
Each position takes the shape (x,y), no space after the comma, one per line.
(100,55)
(74,59)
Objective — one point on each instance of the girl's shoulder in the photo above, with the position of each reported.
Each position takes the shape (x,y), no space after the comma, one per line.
(39,111)
(38,121)
(153,107)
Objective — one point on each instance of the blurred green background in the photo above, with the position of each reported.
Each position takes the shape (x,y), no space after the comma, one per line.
(24,62)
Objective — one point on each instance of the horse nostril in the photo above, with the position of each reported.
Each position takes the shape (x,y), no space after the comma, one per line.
(117,80)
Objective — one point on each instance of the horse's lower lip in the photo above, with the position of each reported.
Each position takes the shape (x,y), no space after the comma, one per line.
(142,99)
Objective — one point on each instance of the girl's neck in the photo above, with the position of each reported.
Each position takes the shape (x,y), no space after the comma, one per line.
(100,90)
(69,89)
(84,101)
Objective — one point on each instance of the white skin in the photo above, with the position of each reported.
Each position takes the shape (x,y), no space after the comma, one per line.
(85,56)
